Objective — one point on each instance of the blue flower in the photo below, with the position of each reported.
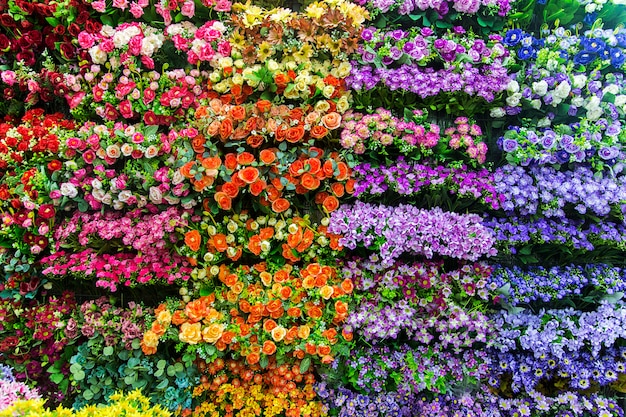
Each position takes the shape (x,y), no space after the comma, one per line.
(584,58)
(590,18)
(617,57)
(512,37)
(526,52)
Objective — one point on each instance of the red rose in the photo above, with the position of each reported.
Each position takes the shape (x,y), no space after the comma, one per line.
(68,51)
(5,43)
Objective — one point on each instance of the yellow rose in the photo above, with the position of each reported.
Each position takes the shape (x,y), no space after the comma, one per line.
(304,332)
(278,333)
(237,79)
(213,333)
(343,104)
(328,91)
(322,106)
(326,292)
(150,339)
(190,333)
(164,317)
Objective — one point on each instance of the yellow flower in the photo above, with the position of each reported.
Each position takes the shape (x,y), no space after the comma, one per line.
(315,10)
(190,333)
(265,51)
(281,15)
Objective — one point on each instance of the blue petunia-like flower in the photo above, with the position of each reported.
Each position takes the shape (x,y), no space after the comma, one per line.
(584,58)
(512,37)
(617,57)
(593,45)
(526,52)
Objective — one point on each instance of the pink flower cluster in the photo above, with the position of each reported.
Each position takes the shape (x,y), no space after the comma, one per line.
(206,43)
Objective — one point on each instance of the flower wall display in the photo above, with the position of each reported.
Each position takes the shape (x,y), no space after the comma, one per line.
(365,208)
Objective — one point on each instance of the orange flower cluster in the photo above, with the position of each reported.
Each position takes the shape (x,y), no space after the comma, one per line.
(273,177)
(256,313)
(240,235)
(263,121)
(227,386)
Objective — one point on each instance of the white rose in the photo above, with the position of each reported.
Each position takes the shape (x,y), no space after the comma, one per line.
(552,64)
(124,195)
(513,100)
(620,100)
(593,103)
(540,87)
(535,104)
(98,56)
(594,113)
(545,122)
(497,112)
(562,90)
(170,199)
(107,31)
(611,89)
(579,81)
(118,205)
(107,199)
(590,8)
(512,86)
(578,101)
(96,184)
(69,190)
(156,196)
(98,194)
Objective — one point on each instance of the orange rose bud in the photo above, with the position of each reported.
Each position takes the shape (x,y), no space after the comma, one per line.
(253,358)
(341,307)
(314,312)
(350,184)
(323,350)
(310,348)
(285,293)
(226,128)
(294,134)
(274,305)
(264,105)
(269,325)
(294,312)
(318,132)
(347,285)
(230,161)
(309,182)
(223,200)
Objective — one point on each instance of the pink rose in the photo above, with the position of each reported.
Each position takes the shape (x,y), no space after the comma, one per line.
(134,46)
(85,40)
(9,77)
(99,6)
(188,8)
(136,10)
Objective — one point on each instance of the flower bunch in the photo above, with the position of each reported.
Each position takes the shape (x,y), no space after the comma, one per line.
(594,49)
(423,47)
(443,8)
(139,243)
(410,370)
(324,30)
(11,390)
(258,312)
(414,136)
(273,238)
(579,347)
(32,338)
(560,405)
(128,45)
(525,285)
(243,389)
(513,233)
(556,95)
(206,43)
(156,98)
(411,179)
(411,299)
(274,178)
(112,354)
(263,122)
(138,8)
(552,193)
(423,232)
(596,143)
(119,404)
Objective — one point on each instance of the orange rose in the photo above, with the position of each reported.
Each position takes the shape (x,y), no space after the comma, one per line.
(190,333)
(193,240)
(214,128)
(309,182)
(314,312)
(291,335)
(326,292)
(303,332)
(296,168)
(276,314)
(238,113)
(294,134)
(323,350)
(254,141)
(329,167)
(266,233)
(227,337)
(264,105)
(267,156)
(327,360)
(294,312)
(347,285)
(278,333)
(281,80)
(331,120)
(186,169)
(149,342)
(281,275)
(253,358)
(197,144)
(280,204)
(178,318)
(249,175)
(245,158)
(216,105)
(269,325)
(341,307)
(230,189)
(312,117)
(254,245)
(230,161)
(244,306)
(310,348)
(223,200)
(274,305)
(318,132)
(226,128)
(213,333)
(296,114)
(330,203)
(347,335)
(211,165)
(269,347)
(331,335)
(337,189)
(350,185)
(285,293)
(344,171)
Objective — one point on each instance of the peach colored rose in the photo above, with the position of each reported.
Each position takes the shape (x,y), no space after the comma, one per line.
(278,333)
(331,120)
(190,333)
(326,292)
(213,333)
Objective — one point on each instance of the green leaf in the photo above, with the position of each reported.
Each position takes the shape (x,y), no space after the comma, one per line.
(264,361)
(56,378)
(88,394)
(107,351)
(305,364)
